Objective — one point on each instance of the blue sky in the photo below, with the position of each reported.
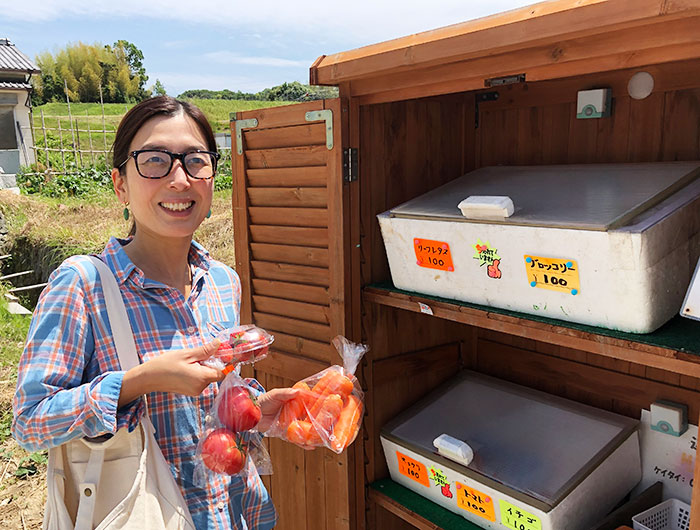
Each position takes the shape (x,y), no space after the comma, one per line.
(219,44)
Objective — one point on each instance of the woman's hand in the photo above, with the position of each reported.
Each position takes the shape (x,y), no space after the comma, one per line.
(179,372)
(270,404)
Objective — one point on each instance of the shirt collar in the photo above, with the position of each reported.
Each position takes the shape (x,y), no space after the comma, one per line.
(122,267)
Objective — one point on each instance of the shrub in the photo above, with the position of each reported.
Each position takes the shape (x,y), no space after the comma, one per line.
(76,182)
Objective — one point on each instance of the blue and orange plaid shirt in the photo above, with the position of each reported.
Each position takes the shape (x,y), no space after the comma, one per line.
(69,376)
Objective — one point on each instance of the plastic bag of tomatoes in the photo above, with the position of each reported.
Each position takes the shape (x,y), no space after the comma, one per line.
(231,444)
(239,345)
(328,409)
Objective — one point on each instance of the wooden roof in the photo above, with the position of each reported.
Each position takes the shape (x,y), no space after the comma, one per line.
(548,40)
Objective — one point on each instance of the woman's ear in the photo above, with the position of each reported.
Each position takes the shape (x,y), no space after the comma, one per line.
(120,187)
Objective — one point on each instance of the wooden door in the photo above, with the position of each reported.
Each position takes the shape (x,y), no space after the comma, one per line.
(289,203)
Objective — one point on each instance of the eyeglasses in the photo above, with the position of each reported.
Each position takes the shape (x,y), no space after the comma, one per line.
(157,163)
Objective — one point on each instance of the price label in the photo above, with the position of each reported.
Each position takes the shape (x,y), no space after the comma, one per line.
(475,502)
(557,274)
(517,518)
(412,469)
(433,254)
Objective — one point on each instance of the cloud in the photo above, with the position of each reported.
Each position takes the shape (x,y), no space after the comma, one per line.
(363,21)
(225,57)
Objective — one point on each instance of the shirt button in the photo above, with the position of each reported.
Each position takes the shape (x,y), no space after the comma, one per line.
(191,329)
(221,506)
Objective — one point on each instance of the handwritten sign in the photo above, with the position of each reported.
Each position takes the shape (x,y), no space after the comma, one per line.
(557,274)
(412,469)
(669,459)
(517,518)
(475,502)
(433,254)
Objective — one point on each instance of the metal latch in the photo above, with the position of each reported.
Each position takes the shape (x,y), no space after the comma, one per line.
(350,169)
(327,116)
(240,125)
(505,80)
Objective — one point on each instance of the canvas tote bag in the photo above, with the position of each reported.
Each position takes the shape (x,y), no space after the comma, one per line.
(124,482)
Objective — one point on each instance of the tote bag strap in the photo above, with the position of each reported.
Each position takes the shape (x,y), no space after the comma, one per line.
(118,319)
(128,358)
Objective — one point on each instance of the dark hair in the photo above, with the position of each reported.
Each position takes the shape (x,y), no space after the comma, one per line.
(149,108)
(144,111)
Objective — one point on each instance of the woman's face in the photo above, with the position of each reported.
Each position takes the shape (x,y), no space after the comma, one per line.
(175,205)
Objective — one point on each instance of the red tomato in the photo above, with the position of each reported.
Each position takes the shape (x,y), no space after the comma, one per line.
(221,453)
(238,410)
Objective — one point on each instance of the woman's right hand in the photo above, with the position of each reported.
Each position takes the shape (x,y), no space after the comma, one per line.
(179,372)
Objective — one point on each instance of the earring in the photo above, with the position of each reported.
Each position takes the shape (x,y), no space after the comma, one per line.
(209,213)
(125,213)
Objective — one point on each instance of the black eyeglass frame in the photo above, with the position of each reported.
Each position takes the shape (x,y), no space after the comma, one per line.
(173,157)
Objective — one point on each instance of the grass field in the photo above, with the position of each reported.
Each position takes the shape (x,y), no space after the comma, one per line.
(81,132)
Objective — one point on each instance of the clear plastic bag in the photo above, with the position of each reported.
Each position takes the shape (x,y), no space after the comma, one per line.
(239,345)
(231,444)
(328,409)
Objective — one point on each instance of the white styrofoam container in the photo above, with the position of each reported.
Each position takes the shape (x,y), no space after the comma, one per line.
(592,499)
(562,464)
(632,278)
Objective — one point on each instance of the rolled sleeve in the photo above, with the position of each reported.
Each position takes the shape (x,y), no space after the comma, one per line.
(56,400)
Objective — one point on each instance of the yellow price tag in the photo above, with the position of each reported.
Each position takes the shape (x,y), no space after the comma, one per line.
(517,518)
(557,274)
(475,502)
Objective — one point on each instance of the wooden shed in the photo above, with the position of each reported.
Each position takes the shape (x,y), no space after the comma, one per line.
(415,113)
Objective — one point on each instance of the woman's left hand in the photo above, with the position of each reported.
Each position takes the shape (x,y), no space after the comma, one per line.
(270,404)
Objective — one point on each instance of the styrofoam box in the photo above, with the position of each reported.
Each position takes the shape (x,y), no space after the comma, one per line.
(632,278)
(540,462)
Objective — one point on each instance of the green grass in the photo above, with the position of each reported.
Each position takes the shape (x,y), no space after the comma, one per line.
(216,110)
(13,332)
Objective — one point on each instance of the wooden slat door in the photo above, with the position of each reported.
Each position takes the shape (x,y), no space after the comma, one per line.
(289,203)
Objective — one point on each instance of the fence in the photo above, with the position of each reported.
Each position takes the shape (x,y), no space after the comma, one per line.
(64,144)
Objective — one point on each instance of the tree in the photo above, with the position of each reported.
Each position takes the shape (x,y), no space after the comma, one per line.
(79,70)
(134,59)
(158,89)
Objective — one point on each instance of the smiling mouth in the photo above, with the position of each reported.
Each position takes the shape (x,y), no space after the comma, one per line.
(177,206)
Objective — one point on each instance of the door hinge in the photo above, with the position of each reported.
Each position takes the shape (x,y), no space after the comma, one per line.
(350,169)
(240,125)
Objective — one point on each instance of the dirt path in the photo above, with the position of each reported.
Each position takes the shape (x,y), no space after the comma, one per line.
(21,499)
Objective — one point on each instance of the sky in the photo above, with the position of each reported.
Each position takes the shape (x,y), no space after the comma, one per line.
(217,44)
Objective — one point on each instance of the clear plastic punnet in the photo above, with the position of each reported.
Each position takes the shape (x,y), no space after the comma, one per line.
(239,345)
(231,444)
(329,406)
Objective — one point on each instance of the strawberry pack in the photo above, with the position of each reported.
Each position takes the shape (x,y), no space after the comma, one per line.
(239,345)
(329,406)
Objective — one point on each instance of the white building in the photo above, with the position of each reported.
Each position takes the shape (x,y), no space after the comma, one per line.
(16,144)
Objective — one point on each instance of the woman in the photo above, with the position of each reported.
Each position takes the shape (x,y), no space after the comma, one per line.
(69,383)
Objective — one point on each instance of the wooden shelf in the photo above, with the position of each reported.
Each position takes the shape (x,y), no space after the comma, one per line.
(675,347)
(414,509)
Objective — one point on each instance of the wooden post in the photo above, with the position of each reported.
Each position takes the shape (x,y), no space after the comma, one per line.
(70,120)
(92,152)
(104,126)
(60,139)
(46,143)
(80,151)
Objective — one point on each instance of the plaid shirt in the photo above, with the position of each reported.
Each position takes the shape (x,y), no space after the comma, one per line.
(69,376)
